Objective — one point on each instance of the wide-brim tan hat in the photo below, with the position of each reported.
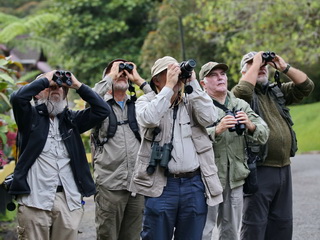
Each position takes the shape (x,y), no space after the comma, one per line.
(161,64)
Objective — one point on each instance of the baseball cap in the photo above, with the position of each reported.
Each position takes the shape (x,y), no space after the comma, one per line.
(206,68)
(161,64)
(246,58)
(107,69)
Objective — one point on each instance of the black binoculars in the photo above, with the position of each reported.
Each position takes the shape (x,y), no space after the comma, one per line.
(61,76)
(186,68)
(239,128)
(161,155)
(268,56)
(126,66)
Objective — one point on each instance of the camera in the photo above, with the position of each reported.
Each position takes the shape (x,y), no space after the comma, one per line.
(126,66)
(8,181)
(159,155)
(186,68)
(268,56)
(239,127)
(62,77)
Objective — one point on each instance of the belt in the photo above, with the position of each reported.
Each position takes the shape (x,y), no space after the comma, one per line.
(185,175)
(60,189)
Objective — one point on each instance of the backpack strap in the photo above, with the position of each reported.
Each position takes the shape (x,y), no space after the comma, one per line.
(113,123)
(133,124)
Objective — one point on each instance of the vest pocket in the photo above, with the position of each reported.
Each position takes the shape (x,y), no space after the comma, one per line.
(213,184)
(141,177)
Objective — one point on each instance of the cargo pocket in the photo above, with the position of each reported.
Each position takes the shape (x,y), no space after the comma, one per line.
(141,177)
(213,184)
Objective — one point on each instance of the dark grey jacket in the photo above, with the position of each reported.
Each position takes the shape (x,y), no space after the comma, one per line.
(33,128)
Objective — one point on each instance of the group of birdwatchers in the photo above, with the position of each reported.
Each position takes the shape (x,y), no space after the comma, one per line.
(187,156)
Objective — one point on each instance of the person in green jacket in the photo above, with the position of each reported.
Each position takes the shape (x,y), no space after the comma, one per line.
(229,149)
(267,214)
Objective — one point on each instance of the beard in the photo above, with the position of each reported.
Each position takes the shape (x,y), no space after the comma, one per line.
(54,107)
(262,79)
(122,86)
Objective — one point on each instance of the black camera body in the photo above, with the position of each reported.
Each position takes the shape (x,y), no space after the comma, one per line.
(126,66)
(159,155)
(7,182)
(268,56)
(186,68)
(239,128)
(61,76)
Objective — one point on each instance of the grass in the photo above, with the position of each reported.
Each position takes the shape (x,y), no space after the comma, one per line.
(306,120)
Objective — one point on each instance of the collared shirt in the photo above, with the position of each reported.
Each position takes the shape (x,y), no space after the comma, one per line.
(52,168)
(184,155)
(156,111)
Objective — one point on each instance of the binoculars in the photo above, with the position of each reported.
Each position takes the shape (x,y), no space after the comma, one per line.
(239,127)
(61,76)
(268,56)
(161,155)
(126,66)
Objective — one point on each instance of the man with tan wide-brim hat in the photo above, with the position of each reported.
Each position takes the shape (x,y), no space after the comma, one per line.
(175,167)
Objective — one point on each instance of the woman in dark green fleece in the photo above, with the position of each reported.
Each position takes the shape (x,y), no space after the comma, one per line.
(267,214)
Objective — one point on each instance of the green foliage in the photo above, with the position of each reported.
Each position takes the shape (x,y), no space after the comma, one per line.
(306,120)
(8,216)
(94,32)
(22,33)
(224,31)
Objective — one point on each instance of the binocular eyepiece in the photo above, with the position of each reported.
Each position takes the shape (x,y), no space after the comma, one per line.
(268,56)
(61,76)
(126,66)
(186,68)
(239,128)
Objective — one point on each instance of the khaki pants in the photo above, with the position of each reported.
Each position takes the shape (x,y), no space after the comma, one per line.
(227,215)
(118,215)
(57,224)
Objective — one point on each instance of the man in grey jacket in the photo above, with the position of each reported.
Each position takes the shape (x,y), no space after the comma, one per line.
(116,142)
(229,143)
(175,168)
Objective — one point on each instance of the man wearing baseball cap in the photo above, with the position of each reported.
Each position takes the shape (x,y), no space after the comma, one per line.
(115,145)
(236,123)
(267,214)
(175,168)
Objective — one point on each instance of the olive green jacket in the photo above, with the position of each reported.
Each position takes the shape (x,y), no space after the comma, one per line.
(229,147)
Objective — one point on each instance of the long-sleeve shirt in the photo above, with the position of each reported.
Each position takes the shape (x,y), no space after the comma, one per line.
(280,139)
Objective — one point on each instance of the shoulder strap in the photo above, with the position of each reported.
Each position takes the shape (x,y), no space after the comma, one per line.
(133,124)
(219,105)
(113,123)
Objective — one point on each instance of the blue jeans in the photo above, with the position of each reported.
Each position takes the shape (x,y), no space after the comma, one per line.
(181,211)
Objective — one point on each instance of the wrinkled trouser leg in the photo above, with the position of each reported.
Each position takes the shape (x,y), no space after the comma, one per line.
(267,214)
(118,215)
(180,211)
(59,223)
(227,215)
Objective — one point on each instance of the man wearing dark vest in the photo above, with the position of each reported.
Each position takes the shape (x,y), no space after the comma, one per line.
(116,142)
(267,214)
